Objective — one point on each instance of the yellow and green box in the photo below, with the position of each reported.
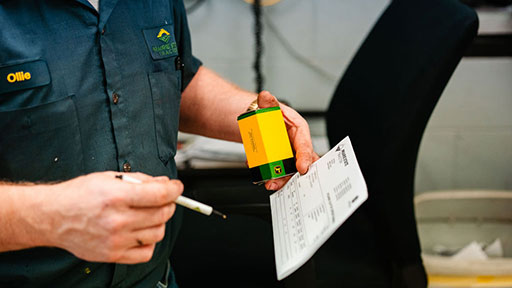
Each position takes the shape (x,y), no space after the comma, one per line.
(266,143)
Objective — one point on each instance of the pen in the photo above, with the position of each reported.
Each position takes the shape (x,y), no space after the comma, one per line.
(182,200)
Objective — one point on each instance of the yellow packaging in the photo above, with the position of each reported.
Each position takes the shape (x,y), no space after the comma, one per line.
(266,143)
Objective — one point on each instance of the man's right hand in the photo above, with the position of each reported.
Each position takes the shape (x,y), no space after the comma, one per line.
(101,218)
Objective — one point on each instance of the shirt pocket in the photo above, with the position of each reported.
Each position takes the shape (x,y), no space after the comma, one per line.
(166,96)
(41,143)
(25,83)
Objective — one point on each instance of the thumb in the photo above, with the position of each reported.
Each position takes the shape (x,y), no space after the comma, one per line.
(266,100)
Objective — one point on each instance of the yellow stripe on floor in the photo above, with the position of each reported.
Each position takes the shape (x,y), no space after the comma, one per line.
(470,281)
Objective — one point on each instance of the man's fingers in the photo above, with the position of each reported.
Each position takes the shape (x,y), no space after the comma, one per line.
(154,193)
(137,254)
(303,160)
(303,150)
(147,236)
(276,184)
(140,218)
(266,100)
(315,157)
(160,178)
(298,131)
(140,238)
(137,175)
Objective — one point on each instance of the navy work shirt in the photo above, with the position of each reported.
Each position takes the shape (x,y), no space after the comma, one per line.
(82,92)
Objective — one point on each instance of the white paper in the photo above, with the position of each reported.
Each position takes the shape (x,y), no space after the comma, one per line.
(211,149)
(309,208)
(495,249)
(472,251)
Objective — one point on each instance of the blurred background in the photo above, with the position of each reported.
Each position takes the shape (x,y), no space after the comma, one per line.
(308,44)
(306,47)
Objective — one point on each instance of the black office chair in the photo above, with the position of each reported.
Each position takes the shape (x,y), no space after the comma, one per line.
(383,103)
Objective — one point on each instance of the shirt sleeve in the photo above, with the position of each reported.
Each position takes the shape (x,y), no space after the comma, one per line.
(191,63)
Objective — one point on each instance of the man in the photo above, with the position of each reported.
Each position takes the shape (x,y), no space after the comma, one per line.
(85,96)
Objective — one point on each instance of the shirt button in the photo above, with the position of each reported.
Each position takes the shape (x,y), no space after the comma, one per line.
(115,98)
(178,63)
(127,167)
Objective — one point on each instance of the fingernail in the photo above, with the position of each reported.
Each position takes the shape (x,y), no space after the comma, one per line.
(273,186)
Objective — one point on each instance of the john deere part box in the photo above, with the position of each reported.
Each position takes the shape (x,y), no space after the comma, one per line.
(266,143)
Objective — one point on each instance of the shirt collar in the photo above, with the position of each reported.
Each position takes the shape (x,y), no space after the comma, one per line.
(106,7)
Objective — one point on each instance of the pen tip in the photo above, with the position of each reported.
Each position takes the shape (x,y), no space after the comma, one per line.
(220,214)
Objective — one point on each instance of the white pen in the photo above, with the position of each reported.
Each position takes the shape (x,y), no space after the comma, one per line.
(182,200)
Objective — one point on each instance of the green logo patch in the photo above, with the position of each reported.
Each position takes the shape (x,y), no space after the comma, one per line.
(161,42)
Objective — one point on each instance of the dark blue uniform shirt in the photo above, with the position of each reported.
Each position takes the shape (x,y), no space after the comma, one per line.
(82,92)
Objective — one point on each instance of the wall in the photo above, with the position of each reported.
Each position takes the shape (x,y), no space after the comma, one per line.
(326,32)
(468,141)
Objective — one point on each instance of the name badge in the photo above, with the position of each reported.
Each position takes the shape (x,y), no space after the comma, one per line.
(161,41)
(24,76)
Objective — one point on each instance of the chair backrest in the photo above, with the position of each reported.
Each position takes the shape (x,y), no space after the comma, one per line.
(384,100)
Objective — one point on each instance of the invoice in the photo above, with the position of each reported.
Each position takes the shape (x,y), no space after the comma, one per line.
(310,207)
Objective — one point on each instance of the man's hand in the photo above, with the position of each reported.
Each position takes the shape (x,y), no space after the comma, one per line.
(100,218)
(298,131)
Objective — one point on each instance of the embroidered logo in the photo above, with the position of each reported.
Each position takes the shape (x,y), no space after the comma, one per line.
(161,41)
(167,49)
(163,35)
